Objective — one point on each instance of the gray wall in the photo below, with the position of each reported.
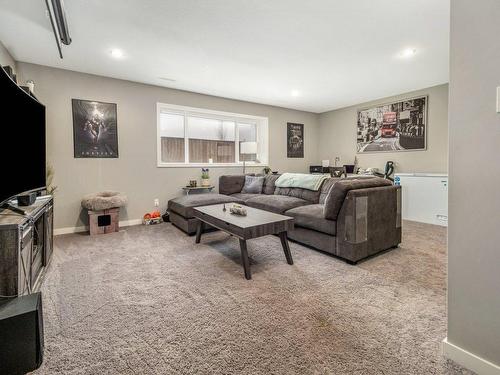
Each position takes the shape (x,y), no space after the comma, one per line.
(474,198)
(135,171)
(338,136)
(6,58)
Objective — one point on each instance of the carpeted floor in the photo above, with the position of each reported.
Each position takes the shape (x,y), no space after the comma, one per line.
(148,300)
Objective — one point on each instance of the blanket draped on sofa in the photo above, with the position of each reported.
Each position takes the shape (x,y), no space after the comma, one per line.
(301,180)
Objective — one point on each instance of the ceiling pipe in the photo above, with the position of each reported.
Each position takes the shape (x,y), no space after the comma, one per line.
(57,16)
(62,24)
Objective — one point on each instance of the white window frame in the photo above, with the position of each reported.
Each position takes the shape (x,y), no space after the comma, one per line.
(262,134)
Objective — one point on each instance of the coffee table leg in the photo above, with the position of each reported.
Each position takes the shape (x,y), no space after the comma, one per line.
(286,247)
(244,259)
(198,231)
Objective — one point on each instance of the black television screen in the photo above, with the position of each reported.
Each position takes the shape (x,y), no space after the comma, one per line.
(22,140)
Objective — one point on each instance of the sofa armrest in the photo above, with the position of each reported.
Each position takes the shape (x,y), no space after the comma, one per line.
(231,184)
(369,222)
(340,189)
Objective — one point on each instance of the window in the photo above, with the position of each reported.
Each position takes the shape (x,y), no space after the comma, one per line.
(193,137)
(247,133)
(172,137)
(211,140)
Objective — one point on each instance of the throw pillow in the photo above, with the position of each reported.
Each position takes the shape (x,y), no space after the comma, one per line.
(253,184)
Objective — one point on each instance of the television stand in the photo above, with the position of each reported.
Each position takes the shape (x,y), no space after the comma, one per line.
(13,208)
(26,244)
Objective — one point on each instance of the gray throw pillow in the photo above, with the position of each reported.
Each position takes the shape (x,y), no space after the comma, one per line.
(253,184)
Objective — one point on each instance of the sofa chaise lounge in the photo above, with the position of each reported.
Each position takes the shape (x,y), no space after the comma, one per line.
(351,218)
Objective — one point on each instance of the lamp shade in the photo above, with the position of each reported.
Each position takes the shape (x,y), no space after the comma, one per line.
(248,147)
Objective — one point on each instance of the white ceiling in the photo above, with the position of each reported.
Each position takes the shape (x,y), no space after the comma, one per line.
(334,52)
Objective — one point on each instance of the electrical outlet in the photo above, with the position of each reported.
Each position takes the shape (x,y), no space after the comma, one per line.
(157,202)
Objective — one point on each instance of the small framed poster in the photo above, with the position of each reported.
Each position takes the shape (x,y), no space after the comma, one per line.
(95,129)
(294,140)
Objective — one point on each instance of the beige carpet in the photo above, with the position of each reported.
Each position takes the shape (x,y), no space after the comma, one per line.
(148,300)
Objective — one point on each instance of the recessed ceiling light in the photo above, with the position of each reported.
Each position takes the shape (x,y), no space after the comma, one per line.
(408,52)
(295,93)
(117,53)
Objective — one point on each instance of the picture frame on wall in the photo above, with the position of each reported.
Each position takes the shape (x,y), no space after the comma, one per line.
(393,127)
(295,140)
(95,129)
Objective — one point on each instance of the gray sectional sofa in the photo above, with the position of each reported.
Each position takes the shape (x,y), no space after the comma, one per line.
(351,218)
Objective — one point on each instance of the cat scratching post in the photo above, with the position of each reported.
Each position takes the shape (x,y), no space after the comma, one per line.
(104,211)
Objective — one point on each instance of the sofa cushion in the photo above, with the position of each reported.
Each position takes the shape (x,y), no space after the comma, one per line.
(269,184)
(245,196)
(230,184)
(339,190)
(327,185)
(275,203)
(253,184)
(311,217)
(325,188)
(308,195)
(184,205)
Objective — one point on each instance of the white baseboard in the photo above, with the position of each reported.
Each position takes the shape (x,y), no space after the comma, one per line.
(469,360)
(124,223)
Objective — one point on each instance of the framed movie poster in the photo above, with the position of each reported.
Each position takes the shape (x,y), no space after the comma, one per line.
(294,140)
(397,126)
(95,129)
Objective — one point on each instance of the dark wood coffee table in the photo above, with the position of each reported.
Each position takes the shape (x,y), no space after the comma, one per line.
(257,223)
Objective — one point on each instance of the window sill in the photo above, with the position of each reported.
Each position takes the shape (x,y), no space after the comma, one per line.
(208,165)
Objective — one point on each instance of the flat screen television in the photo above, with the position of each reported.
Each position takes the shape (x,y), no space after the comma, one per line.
(22,141)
